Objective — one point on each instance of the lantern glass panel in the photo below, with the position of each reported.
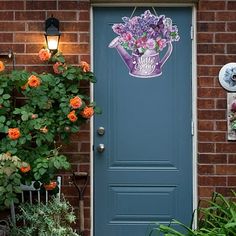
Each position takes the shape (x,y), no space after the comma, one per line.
(52,42)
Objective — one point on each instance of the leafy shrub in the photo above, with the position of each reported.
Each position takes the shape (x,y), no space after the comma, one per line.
(51,108)
(218,219)
(51,219)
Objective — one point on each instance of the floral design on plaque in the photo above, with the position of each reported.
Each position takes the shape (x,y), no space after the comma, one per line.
(145,36)
(231,115)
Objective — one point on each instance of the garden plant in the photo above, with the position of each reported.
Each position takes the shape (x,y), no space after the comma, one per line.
(218,219)
(52,219)
(38,112)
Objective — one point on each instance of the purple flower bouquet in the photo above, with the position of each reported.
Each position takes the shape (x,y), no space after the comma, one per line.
(147,31)
(145,35)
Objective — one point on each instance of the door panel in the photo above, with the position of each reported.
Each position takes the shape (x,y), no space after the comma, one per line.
(145,173)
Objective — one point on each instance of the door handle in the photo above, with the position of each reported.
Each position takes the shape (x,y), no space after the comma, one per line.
(101,147)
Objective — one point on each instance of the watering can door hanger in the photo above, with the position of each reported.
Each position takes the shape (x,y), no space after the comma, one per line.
(145,36)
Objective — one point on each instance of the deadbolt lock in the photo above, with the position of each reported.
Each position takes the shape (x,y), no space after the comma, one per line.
(101,131)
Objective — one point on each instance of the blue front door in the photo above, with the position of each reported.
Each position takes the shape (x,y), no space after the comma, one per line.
(144,174)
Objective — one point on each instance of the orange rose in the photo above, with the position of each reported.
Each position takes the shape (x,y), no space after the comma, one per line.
(34,81)
(25,167)
(50,186)
(2,66)
(76,102)
(87,112)
(85,66)
(56,68)
(72,116)
(14,133)
(44,54)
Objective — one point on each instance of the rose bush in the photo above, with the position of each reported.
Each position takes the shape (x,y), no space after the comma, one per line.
(50,106)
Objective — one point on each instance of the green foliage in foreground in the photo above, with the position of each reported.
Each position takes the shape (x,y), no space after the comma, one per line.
(51,219)
(218,219)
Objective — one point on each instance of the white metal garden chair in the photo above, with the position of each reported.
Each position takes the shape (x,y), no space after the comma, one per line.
(27,192)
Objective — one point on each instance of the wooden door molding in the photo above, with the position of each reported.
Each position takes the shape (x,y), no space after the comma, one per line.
(141,1)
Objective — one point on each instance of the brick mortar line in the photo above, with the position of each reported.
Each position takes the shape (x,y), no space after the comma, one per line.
(210,131)
(42,21)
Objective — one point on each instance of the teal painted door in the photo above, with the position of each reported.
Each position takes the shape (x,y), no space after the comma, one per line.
(144,175)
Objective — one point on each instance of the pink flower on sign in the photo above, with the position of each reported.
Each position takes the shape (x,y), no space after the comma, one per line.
(141,43)
(127,36)
(161,43)
(151,44)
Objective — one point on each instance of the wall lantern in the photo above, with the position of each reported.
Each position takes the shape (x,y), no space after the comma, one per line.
(52,33)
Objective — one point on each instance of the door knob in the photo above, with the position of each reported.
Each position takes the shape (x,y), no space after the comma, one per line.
(101,148)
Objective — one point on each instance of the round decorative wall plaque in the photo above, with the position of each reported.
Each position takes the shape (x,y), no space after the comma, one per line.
(227,76)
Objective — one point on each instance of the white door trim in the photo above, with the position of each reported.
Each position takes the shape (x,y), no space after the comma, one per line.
(194,99)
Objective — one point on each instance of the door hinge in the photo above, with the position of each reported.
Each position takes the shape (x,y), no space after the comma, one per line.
(192,32)
(192,128)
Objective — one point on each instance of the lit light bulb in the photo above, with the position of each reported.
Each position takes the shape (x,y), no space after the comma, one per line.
(52,42)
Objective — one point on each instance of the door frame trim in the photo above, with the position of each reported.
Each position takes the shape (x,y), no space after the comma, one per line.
(194,100)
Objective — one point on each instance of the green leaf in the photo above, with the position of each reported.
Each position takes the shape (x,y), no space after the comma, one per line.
(67,166)
(75,129)
(17,189)
(1,91)
(93,80)
(16,200)
(6,103)
(5,129)
(70,76)
(13,150)
(6,96)
(38,142)
(2,189)
(13,143)
(8,202)
(2,119)
(61,59)
(22,140)
(28,137)
(17,111)
(72,70)
(42,171)
(36,176)
(97,110)
(57,164)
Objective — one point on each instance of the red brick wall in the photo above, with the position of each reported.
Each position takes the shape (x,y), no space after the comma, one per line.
(216,46)
(22,30)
